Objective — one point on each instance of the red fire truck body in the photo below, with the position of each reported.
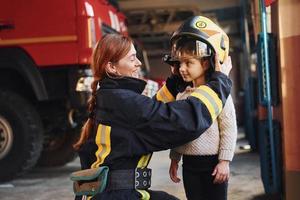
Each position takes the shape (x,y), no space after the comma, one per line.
(63,29)
(45,50)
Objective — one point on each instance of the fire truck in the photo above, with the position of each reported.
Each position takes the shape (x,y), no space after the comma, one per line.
(45,50)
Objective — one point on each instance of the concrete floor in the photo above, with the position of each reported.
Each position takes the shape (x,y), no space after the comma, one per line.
(244,183)
(54,183)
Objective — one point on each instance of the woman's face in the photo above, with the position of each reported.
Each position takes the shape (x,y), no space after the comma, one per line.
(191,68)
(129,65)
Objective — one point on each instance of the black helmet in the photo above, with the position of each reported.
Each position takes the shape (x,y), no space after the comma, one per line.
(209,38)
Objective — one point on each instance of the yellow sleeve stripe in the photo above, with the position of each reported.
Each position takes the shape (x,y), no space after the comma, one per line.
(104,145)
(213,94)
(168,93)
(210,100)
(164,95)
(206,103)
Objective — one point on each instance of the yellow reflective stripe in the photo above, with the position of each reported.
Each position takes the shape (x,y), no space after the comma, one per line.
(34,40)
(104,145)
(164,95)
(168,93)
(206,103)
(89,197)
(214,95)
(210,100)
(107,147)
(98,142)
(161,97)
(145,194)
(215,106)
(143,162)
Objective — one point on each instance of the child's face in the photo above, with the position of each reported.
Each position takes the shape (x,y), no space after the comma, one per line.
(191,68)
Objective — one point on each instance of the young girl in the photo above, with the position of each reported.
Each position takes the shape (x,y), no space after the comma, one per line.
(206,159)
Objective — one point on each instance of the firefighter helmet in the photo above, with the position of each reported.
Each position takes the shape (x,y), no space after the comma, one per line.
(209,37)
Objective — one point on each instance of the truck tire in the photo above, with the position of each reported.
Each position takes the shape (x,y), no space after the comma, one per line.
(58,149)
(21,135)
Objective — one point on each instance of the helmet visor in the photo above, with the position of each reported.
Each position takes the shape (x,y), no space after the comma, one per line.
(189,47)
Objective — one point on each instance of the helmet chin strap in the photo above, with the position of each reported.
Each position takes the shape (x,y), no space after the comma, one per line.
(212,61)
(211,69)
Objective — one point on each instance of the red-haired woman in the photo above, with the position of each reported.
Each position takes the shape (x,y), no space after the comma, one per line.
(124,127)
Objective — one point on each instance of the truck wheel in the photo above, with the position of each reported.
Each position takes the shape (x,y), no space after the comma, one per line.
(21,135)
(58,150)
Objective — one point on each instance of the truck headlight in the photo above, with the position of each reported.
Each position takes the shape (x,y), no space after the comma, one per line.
(84,83)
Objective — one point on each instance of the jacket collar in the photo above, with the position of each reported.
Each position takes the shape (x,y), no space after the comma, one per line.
(129,83)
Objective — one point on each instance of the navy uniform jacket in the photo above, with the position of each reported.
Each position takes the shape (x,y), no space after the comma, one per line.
(129,126)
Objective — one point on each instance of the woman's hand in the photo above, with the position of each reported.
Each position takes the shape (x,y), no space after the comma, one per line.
(173,171)
(221,172)
(225,67)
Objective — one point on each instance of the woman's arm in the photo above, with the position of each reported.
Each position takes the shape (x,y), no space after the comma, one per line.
(160,126)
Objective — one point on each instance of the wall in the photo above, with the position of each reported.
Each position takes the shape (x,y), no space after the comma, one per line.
(287,25)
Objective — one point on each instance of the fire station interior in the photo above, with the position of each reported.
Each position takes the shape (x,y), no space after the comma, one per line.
(258,94)
(264,43)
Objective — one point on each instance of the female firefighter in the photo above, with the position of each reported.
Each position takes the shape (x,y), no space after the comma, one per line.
(124,127)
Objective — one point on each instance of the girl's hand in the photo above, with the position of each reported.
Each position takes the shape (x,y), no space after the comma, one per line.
(221,172)
(225,67)
(173,171)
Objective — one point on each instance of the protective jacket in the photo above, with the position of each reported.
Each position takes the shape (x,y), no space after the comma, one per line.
(129,127)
